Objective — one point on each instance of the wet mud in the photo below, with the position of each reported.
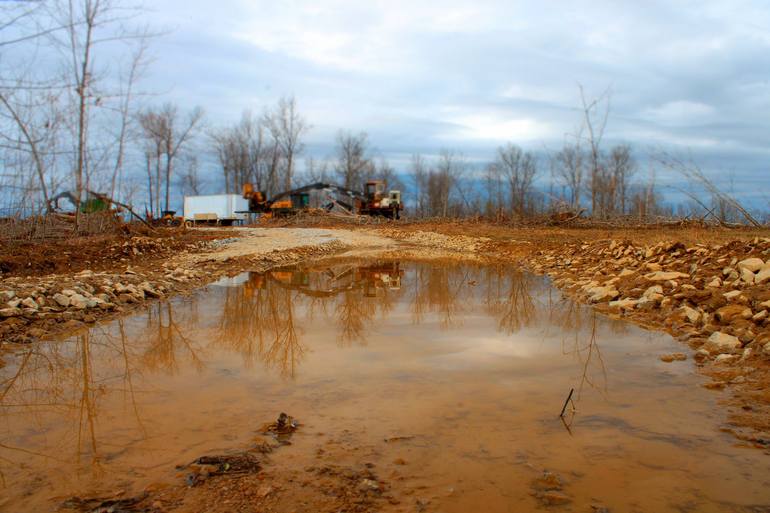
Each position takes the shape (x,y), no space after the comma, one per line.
(410,386)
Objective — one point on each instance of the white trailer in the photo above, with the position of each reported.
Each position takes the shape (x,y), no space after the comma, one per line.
(221,209)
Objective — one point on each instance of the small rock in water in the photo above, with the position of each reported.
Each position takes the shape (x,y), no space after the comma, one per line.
(369,485)
(553,498)
(673,357)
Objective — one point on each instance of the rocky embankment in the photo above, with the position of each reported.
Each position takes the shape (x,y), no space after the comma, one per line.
(717,298)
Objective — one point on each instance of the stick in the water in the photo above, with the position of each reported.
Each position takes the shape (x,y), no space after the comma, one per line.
(571,390)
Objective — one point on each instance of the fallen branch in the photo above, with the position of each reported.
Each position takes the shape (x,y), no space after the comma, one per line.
(123,205)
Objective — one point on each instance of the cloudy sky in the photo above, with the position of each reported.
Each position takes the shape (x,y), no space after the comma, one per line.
(421,76)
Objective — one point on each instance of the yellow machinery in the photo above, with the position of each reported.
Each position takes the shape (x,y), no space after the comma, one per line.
(374,202)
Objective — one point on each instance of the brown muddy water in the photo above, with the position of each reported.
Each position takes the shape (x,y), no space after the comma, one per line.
(449,378)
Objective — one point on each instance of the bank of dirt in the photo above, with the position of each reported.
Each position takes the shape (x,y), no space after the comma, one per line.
(709,288)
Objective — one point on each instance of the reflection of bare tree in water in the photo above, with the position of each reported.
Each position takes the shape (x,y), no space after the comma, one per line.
(56,379)
(258,322)
(590,354)
(259,319)
(88,412)
(62,384)
(285,349)
(572,318)
(353,314)
(166,338)
(128,376)
(509,298)
(438,289)
(243,323)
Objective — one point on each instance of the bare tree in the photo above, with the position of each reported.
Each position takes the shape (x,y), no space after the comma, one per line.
(189,180)
(36,120)
(287,126)
(382,170)
(493,181)
(81,18)
(353,161)
(443,181)
(690,171)
(244,154)
(419,172)
(125,112)
(568,165)
(621,167)
(169,134)
(595,115)
(519,169)
(317,170)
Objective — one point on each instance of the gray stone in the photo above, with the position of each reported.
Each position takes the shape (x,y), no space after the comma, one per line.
(81,302)
(30,303)
(61,300)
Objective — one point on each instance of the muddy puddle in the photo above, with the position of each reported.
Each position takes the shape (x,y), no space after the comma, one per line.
(446,379)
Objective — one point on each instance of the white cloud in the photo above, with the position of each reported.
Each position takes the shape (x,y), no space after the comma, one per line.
(421,75)
(680,112)
(493,128)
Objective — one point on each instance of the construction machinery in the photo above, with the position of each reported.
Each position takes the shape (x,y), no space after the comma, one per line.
(373,280)
(377,203)
(167,218)
(94,202)
(289,202)
(373,202)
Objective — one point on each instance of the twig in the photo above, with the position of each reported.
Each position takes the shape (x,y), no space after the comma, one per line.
(569,398)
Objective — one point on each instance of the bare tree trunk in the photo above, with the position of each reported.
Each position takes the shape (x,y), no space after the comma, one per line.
(40,169)
(82,88)
(149,179)
(125,117)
